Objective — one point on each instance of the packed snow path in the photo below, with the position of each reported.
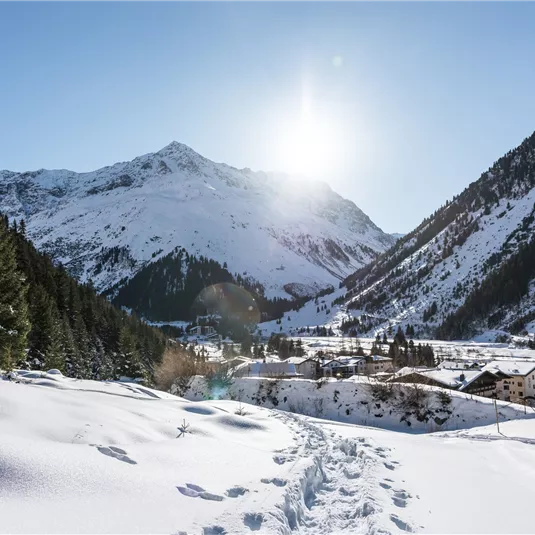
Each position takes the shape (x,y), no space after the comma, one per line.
(339,489)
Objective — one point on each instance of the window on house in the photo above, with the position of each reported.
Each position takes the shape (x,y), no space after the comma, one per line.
(521,394)
(519,383)
(506,387)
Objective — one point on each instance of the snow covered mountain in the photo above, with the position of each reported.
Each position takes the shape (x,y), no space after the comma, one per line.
(108,224)
(467,269)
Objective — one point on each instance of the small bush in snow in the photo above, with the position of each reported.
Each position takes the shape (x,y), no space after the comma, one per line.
(444,398)
(416,398)
(382,391)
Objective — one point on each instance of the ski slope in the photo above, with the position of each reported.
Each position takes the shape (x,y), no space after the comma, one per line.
(89,457)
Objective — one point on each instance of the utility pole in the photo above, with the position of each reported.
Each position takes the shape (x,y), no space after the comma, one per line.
(497,418)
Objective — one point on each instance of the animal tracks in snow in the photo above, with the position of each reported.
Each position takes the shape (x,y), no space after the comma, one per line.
(115,452)
(195,491)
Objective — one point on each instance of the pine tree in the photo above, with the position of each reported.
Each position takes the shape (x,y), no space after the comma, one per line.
(54,357)
(246,344)
(14,322)
(129,363)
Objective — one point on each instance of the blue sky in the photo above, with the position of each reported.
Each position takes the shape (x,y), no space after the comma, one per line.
(405,104)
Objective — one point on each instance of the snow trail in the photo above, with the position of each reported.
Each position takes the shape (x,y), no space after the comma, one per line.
(339,490)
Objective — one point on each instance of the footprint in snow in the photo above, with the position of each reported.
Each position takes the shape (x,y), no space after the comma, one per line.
(211,497)
(188,492)
(346,492)
(351,474)
(253,521)
(115,452)
(281,459)
(401,524)
(194,487)
(389,466)
(195,491)
(275,481)
(235,492)
(214,530)
(385,485)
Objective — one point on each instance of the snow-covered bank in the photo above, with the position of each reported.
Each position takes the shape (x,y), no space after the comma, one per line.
(360,400)
(89,457)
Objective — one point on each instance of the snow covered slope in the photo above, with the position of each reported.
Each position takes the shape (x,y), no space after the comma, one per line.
(361,400)
(105,225)
(465,270)
(88,457)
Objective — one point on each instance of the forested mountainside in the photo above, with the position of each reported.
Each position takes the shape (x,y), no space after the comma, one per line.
(468,268)
(48,320)
(107,225)
(172,288)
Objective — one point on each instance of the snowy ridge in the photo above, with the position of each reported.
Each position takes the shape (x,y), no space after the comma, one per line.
(433,271)
(105,225)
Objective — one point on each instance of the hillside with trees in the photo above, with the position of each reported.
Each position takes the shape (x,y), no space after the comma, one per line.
(172,287)
(48,320)
(465,269)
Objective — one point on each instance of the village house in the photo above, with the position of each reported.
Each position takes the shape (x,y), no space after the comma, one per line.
(478,382)
(518,379)
(378,364)
(202,330)
(308,368)
(343,367)
(267,369)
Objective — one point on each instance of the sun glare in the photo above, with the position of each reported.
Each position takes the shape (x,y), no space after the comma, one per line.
(311,141)
(311,147)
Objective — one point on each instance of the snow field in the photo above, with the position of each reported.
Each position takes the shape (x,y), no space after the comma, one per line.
(89,457)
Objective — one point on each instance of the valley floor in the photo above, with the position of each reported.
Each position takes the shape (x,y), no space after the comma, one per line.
(89,457)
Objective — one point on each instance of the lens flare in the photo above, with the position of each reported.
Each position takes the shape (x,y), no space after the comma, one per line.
(227,301)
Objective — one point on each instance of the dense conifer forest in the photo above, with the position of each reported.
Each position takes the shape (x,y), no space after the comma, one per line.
(48,320)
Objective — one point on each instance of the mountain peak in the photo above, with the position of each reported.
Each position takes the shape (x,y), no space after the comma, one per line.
(177,148)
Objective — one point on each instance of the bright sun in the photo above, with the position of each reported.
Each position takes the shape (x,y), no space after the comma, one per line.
(311,143)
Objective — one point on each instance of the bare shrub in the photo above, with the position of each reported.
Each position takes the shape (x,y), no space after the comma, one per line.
(178,369)
(416,397)
(318,407)
(382,391)
(298,407)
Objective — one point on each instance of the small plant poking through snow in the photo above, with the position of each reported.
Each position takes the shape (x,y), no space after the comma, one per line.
(240,411)
(183,429)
